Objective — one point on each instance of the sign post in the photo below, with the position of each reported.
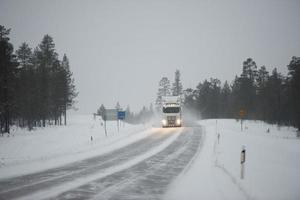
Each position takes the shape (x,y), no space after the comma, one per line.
(104,119)
(118,124)
(113,115)
(109,115)
(121,116)
(242,114)
(105,127)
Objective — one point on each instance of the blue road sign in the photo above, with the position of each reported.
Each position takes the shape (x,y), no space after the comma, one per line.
(121,115)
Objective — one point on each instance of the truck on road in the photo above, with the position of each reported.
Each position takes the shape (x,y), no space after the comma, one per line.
(171,111)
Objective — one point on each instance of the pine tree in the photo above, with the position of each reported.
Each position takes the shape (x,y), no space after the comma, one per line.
(163,90)
(245,88)
(202,98)
(225,100)
(46,57)
(207,98)
(261,100)
(129,115)
(177,85)
(118,107)
(24,55)
(25,88)
(101,110)
(274,97)
(8,76)
(57,92)
(294,88)
(249,69)
(69,87)
(189,100)
(36,89)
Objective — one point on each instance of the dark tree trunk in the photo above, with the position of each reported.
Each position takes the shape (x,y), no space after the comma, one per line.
(6,111)
(65,113)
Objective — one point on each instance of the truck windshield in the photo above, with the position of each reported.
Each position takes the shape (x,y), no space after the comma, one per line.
(171,109)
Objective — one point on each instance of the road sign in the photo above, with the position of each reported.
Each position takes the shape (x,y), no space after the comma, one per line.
(110,115)
(121,115)
(242,113)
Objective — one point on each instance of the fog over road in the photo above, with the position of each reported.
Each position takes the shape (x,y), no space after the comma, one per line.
(141,170)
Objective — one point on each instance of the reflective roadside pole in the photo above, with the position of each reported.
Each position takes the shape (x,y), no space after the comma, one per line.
(243,160)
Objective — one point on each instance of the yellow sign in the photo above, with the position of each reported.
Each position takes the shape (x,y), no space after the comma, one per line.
(242,113)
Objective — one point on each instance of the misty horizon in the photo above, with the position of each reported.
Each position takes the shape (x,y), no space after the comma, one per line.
(120,50)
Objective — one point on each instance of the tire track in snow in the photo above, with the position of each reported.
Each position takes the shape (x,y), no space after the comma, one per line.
(148,179)
(24,185)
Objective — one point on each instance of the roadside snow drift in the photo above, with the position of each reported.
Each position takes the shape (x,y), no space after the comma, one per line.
(271,169)
(26,152)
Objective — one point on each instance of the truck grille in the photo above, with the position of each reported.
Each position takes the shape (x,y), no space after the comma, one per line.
(171,119)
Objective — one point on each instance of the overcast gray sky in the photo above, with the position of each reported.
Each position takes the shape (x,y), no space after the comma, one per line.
(119,50)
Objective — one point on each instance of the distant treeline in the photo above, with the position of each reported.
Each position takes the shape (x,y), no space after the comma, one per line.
(36,88)
(271,97)
(141,117)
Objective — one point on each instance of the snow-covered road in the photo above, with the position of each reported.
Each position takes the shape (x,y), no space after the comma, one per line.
(141,170)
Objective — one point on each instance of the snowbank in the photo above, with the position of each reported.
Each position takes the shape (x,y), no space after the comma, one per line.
(271,170)
(31,151)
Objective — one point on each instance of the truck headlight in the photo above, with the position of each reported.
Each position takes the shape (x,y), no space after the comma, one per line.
(164,122)
(178,121)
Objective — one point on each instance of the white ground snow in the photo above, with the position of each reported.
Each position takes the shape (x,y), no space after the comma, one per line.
(84,180)
(272,159)
(26,152)
(272,168)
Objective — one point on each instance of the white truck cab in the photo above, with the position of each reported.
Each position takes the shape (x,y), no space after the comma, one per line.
(171,111)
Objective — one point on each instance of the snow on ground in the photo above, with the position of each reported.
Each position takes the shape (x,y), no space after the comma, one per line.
(111,170)
(31,151)
(271,170)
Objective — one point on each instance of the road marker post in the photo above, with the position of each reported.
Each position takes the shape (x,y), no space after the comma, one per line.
(243,160)
(104,119)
